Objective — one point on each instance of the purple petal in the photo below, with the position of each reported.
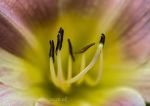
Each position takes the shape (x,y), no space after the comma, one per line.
(15,37)
(15,16)
(132,28)
(137,36)
(32,11)
(10,38)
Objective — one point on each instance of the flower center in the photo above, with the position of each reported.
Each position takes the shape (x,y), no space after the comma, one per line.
(65,83)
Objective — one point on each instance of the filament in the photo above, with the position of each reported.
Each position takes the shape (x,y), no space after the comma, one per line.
(60,73)
(83,63)
(91,64)
(52,71)
(69,67)
(91,82)
(100,69)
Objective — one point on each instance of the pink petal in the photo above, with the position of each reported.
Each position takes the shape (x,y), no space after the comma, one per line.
(125,97)
(14,71)
(14,36)
(132,26)
(137,36)
(11,97)
(141,80)
(10,38)
(31,12)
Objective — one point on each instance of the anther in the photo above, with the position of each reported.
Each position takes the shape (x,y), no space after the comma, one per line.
(51,53)
(85,48)
(102,39)
(70,50)
(59,39)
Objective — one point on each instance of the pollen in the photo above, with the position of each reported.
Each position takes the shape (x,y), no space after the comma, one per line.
(58,79)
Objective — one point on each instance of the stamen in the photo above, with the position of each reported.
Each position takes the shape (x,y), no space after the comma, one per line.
(102,40)
(51,53)
(83,63)
(85,48)
(69,67)
(51,56)
(52,72)
(91,64)
(70,50)
(59,65)
(100,70)
(58,79)
(71,58)
(59,39)
(58,48)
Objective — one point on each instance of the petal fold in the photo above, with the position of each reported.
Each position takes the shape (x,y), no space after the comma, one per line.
(10,38)
(125,97)
(140,81)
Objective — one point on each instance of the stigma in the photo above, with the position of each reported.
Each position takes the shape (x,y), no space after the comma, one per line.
(57,76)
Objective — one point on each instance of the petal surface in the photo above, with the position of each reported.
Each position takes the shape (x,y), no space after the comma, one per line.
(125,97)
(31,12)
(14,71)
(9,96)
(140,81)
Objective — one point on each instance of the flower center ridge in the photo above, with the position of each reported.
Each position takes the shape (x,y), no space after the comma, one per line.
(65,83)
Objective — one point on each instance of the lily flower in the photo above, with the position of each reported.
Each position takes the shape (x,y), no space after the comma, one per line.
(74,52)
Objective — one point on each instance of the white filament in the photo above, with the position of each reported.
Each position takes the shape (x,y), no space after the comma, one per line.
(86,69)
(83,63)
(100,69)
(69,67)
(52,71)
(60,73)
(92,82)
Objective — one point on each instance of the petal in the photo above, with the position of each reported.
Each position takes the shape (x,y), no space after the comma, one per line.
(10,38)
(140,81)
(9,96)
(128,46)
(137,35)
(16,72)
(43,102)
(86,7)
(131,27)
(31,12)
(125,97)
(14,36)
